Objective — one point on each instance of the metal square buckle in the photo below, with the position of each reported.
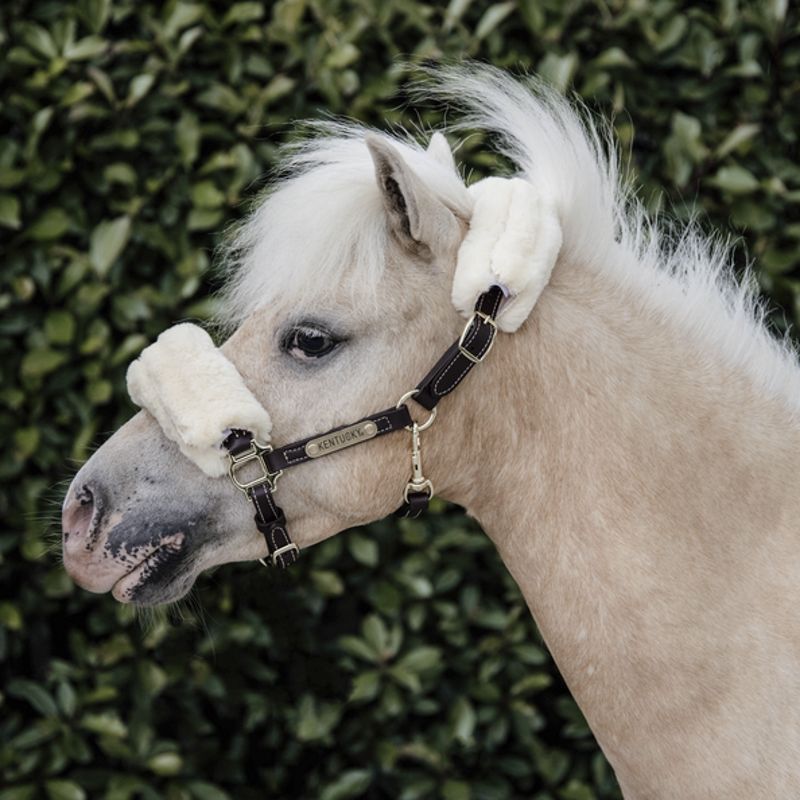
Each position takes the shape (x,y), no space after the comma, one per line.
(255,453)
(273,557)
(485,319)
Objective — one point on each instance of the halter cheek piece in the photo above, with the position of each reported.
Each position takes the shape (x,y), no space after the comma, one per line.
(448,372)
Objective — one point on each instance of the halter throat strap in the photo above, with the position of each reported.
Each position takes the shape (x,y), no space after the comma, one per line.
(248,455)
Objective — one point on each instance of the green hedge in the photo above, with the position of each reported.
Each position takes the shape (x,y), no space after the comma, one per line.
(398,661)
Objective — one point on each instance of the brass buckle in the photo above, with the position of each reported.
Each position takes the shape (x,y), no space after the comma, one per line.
(486,319)
(255,453)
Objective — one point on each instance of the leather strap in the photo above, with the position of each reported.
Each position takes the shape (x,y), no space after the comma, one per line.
(455,364)
(271,521)
(415,506)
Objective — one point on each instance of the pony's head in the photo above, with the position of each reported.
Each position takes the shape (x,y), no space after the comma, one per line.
(338,296)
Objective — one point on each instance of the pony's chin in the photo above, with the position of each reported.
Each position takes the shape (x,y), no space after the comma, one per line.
(137,589)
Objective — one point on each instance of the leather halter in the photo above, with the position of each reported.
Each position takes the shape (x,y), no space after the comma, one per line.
(448,372)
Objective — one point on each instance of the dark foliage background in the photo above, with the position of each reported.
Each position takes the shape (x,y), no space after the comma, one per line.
(396,661)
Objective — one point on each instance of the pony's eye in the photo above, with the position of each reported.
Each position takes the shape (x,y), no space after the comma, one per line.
(305,342)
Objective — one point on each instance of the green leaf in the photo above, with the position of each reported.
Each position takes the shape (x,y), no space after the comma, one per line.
(187,137)
(9,212)
(222,98)
(375,632)
(26,792)
(342,56)
(107,241)
(735,180)
(205,194)
(67,699)
(240,13)
(39,40)
(559,70)
(10,616)
(167,764)
(86,48)
(531,683)
(140,85)
(365,686)
(38,363)
(59,327)
(740,135)
(316,719)
(181,16)
(206,791)
(462,720)
(363,549)
(456,790)
(64,790)
(351,783)
(35,694)
(492,17)
(359,648)
(422,659)
(52,224)
(106,724)
(95,13)
(327,582)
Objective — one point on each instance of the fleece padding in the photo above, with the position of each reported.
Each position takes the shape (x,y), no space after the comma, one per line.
(513,241)
(196,395)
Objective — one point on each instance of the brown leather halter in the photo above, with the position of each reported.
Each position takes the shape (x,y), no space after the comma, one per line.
(448,372)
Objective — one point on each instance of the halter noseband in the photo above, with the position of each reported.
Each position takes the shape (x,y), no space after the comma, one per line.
(243,449)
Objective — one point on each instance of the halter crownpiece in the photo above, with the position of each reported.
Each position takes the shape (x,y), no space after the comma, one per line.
(226,429)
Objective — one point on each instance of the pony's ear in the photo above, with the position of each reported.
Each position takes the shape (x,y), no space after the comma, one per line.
(439,148)
(417,218)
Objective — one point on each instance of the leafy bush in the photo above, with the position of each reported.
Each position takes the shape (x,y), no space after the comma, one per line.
(397,661)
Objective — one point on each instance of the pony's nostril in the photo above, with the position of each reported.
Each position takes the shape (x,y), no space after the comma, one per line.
(78,513)
(85,496)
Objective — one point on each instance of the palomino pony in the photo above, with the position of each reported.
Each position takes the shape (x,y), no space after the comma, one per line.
(632,450)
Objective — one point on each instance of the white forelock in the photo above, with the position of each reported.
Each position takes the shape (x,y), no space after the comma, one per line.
(322,221)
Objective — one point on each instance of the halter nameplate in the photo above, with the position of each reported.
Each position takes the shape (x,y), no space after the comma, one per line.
(346,437)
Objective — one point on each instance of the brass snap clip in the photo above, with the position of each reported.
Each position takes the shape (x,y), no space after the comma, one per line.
(418,482)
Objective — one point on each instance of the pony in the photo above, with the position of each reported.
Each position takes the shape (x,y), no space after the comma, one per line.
(631,450)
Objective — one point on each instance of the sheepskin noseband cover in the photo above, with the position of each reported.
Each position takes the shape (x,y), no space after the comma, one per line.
(196,395)
(513,242)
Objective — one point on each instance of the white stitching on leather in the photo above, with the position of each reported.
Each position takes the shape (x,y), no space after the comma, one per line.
(450,387)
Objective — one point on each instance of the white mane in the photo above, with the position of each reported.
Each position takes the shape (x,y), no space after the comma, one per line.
(326,212)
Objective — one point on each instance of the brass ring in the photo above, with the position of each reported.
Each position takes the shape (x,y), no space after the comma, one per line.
(428,422)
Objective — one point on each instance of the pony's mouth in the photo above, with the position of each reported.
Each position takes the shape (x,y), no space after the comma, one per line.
(150,580)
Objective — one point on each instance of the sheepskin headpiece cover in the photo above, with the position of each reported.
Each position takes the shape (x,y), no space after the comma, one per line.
(513,242)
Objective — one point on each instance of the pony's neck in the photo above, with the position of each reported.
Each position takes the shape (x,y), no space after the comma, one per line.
(642,495)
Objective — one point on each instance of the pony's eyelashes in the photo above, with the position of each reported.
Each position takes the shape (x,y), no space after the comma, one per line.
(309,341)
